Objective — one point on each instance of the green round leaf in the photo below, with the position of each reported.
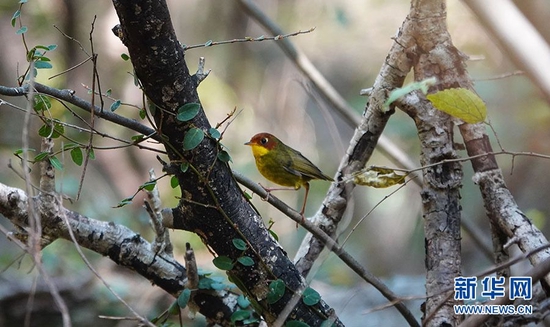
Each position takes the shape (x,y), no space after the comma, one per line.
(55,132)
(41,103)
(224,156)
(239,244)
(205,283)
(115,105)
(183,299)
(192,138)
(77,156)
(310,296)
(223,263)
(242,301)
(240,315)
(124,57)
(188,111)
(276,291)
(174,182)
(42,65)
(214,133)
(22,30)
(246,261)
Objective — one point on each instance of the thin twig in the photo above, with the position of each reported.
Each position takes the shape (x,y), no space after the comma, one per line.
(248,39)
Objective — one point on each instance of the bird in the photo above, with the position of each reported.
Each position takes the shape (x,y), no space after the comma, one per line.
(283,165)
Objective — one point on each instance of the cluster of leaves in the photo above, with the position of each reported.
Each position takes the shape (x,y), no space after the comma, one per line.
(194,135)
(277,288)
(54,128)
(36,56)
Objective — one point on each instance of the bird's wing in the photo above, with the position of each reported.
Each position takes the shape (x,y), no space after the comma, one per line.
(301,166)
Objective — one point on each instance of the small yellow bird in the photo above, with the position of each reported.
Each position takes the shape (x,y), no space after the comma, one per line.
(283,165)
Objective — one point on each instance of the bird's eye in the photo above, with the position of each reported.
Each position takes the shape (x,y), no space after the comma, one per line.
(264,140)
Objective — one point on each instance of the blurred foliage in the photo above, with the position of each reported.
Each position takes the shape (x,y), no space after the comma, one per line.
(348,46)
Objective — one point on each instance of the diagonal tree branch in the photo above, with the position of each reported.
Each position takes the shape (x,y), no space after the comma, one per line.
(212,205)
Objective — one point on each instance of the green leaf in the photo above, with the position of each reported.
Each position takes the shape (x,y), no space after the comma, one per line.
(22,30)
(41,103)
(16,15)
(184,166)
(242,301)
(183,298)
(188,111)
(124,202)
(54,161)
(208,43)
(239,244)
(214,133)
(142,113)
(275,236)
(42,65)
(77,156)
(91,153)
(115,105)
(223,263)
(173,310)
(108,92)
(240,315)
(52,47)
(310,296)
(125,57)
(137,138)
(174,182)
(192,138)
(224,156)
(41,156)
(246,261)
(460,103)
(276,291)
(218,286)
(23,1)
(47,131)
(148,186)
(205,283)
(423,86)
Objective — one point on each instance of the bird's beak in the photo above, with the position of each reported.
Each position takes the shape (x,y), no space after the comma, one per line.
(248,143)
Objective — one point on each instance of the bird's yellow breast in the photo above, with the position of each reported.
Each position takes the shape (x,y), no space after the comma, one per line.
(259,151)
(271,168)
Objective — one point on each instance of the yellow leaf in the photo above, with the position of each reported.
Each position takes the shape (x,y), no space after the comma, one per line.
(378,177)
(460,103)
